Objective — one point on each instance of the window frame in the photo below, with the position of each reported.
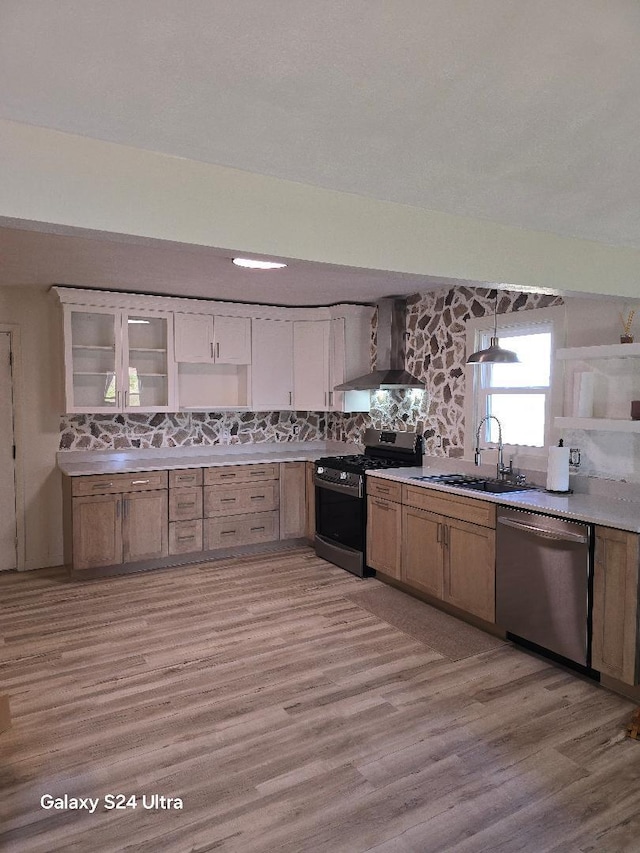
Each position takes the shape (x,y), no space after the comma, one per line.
(517,322)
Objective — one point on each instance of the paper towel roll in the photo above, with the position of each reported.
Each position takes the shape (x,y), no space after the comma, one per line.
(584,395)
(558,469)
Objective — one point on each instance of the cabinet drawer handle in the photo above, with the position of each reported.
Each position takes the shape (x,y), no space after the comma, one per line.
(258,528)
(257,473)
(186,477)
(226,476)
(184,538)
(102,485)
(228,500)
(380,489)
(385,507)
(258,497)
(186,505)
(227,532)
(140,482)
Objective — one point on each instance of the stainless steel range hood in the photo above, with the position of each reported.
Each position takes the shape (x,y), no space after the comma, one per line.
(390,361)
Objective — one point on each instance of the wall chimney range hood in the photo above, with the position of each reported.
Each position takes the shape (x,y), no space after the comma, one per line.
(390,369)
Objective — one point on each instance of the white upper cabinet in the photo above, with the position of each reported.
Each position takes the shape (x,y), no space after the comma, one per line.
(348,358)
(272,365)
(129,352)
(209,339)
(118,361)
(92,341)
(311,391)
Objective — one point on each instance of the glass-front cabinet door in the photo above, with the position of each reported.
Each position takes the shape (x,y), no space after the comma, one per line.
(147,370)
(117,361)
(92,341)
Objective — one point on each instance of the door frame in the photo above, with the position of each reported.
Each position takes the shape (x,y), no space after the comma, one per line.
(15,347)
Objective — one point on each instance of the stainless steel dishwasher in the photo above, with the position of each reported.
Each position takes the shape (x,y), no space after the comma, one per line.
(543,582)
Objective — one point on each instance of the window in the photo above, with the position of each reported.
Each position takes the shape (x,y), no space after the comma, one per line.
(519,395)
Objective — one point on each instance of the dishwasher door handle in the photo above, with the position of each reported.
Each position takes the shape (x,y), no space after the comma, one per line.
(576,538)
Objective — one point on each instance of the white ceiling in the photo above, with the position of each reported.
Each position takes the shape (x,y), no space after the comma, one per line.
(521,113)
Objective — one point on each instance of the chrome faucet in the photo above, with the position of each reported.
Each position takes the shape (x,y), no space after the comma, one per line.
(502,470)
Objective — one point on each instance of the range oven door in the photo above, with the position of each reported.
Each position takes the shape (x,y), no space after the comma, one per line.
(340,525)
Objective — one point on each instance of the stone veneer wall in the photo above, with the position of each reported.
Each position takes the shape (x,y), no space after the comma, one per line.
(436,353)
(436,322)
(188,429)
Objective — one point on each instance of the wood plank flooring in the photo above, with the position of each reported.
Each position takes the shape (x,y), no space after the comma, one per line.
(288,719)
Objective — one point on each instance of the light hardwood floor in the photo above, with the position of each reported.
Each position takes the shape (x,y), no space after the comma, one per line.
(289,719)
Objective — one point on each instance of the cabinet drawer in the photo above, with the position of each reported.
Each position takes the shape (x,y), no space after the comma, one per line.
(118,483)
(453,506)
(240,474)
(240,530)
(185,504)
(185,536)
(384,489)
(184,477)
(233,500)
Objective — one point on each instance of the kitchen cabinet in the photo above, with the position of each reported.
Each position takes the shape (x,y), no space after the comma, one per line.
(349,357)
(469,568)
(311,390)
(241,505)
(185,511)
(293,519)
(97,531)
(118,361)
(310,502)
(384,526)
(422,555)
(436,543)
(145,529)
(451,560)
(272,365)
(212,339)
(615,647)
(112,529)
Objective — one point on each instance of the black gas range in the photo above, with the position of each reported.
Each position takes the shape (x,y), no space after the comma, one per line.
(341,506)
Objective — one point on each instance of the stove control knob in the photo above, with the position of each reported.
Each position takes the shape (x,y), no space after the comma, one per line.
(319,470)
(343,475)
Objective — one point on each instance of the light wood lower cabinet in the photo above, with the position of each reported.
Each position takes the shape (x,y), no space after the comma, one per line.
(293,516)
(384,535)
(310,501)
(615,605)
(451,560)
(97,531)
(154,518)
(422,555)
(439,544)
(470,568)
(109,530)
(145,529)
(234,530)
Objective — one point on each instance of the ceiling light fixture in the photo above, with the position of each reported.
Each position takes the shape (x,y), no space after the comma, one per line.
(494,354)
(249,263)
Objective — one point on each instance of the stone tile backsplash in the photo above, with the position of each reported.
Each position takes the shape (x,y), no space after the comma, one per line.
(436,324)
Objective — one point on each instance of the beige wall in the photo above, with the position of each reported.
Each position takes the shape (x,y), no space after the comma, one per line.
(71,181)
(38,379)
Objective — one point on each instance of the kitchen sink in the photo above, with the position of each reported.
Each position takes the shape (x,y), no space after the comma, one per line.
(477,484)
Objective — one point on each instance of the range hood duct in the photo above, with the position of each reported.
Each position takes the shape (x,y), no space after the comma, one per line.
(390,370)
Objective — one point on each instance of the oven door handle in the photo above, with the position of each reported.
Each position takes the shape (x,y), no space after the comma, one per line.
(354,491)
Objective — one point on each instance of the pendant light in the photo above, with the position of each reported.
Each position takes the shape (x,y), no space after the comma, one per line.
(494,354)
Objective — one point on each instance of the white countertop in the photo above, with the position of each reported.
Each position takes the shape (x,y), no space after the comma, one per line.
(79,463)
(607,511)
